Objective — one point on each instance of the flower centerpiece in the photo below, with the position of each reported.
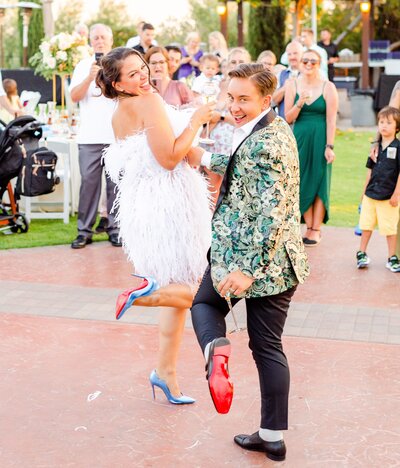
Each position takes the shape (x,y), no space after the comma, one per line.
(60,55)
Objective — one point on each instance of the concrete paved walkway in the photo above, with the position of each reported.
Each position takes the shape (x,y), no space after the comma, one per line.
(75,391)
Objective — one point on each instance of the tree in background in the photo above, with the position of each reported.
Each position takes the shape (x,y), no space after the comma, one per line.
(204,14)
(266,29)
(339,18)
(115,14)
(171,32)
(387,23)
(35,31)
(70,14)
(12,47)
(203,17)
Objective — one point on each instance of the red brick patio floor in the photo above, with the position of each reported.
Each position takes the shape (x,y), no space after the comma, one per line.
(74,385)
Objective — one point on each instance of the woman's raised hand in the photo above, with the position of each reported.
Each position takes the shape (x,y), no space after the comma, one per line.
(204,113)
(304,96)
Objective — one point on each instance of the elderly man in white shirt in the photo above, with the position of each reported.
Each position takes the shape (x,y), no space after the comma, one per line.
(95,133)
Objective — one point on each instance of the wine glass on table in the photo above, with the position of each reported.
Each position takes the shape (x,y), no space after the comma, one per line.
(209,93)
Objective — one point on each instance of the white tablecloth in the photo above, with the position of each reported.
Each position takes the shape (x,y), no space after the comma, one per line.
(68,147)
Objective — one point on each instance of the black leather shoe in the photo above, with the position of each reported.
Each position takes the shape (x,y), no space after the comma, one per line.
(114,239)
(102,226)
(274,450)
(81,241)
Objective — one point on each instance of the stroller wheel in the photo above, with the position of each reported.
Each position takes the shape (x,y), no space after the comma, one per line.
(21,224)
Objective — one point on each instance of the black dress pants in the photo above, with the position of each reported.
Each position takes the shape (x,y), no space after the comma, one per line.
(266,318)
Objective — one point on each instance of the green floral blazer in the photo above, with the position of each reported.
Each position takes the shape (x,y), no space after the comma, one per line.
(256,225)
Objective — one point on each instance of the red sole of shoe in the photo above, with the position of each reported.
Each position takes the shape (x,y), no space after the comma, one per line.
(124,296)
(220,385)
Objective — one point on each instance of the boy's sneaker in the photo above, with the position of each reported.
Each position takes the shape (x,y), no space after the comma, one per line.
(362,259)
(393,264)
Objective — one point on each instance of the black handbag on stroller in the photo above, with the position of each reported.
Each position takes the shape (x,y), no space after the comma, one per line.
(20,156)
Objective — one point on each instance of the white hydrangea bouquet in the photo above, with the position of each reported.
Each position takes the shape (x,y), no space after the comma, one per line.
(60,55)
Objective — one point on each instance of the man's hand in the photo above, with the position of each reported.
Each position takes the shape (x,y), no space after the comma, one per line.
(93,71)
(194,156)
(394,199)
(236,283)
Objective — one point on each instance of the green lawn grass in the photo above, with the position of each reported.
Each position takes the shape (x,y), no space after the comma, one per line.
(348,176)
(44,232)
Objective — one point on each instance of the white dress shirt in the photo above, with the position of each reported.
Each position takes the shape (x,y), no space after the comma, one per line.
(239,134)
(95,109)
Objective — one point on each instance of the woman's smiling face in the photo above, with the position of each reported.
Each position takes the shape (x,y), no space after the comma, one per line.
(134,77)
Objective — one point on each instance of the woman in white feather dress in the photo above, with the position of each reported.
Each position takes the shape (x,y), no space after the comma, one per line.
(162,205)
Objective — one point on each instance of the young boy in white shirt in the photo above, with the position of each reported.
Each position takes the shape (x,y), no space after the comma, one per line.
(209,66)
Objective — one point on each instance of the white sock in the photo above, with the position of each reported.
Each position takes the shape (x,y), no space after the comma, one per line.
(207,351)
(270,436)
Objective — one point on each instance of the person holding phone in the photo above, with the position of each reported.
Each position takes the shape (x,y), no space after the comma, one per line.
(94,135)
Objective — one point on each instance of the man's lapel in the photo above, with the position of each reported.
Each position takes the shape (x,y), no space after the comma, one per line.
(266,120)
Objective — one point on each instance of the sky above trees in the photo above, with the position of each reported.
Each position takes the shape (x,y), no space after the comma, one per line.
(154,11)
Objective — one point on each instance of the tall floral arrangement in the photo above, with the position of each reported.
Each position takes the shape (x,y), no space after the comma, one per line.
(60,55)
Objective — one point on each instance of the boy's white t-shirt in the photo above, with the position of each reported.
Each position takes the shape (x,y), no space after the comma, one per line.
(200,80)
(95,109)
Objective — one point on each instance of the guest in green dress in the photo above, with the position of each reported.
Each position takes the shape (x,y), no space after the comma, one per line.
(311,104)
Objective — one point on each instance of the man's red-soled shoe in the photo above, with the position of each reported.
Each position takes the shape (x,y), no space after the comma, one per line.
(219,382)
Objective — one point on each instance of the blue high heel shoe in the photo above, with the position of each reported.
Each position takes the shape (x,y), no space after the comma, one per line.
(155,381)
(126,299)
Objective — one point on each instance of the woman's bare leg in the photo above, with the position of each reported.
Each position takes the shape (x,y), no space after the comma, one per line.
(308,218)
(178,296)
(318,217)
(171,325)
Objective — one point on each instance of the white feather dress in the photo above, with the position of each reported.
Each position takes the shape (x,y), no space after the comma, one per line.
(164,216)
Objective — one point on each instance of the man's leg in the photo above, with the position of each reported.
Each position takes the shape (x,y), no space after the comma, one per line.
(266,318)
(209,310)
(89,194)
(208,316)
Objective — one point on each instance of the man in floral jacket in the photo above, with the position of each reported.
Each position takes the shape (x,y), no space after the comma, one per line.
(256,253)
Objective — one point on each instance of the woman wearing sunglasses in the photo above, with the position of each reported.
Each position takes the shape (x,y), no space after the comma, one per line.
(311,104)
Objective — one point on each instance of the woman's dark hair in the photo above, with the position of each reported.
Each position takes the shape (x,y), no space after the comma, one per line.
(110,71)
